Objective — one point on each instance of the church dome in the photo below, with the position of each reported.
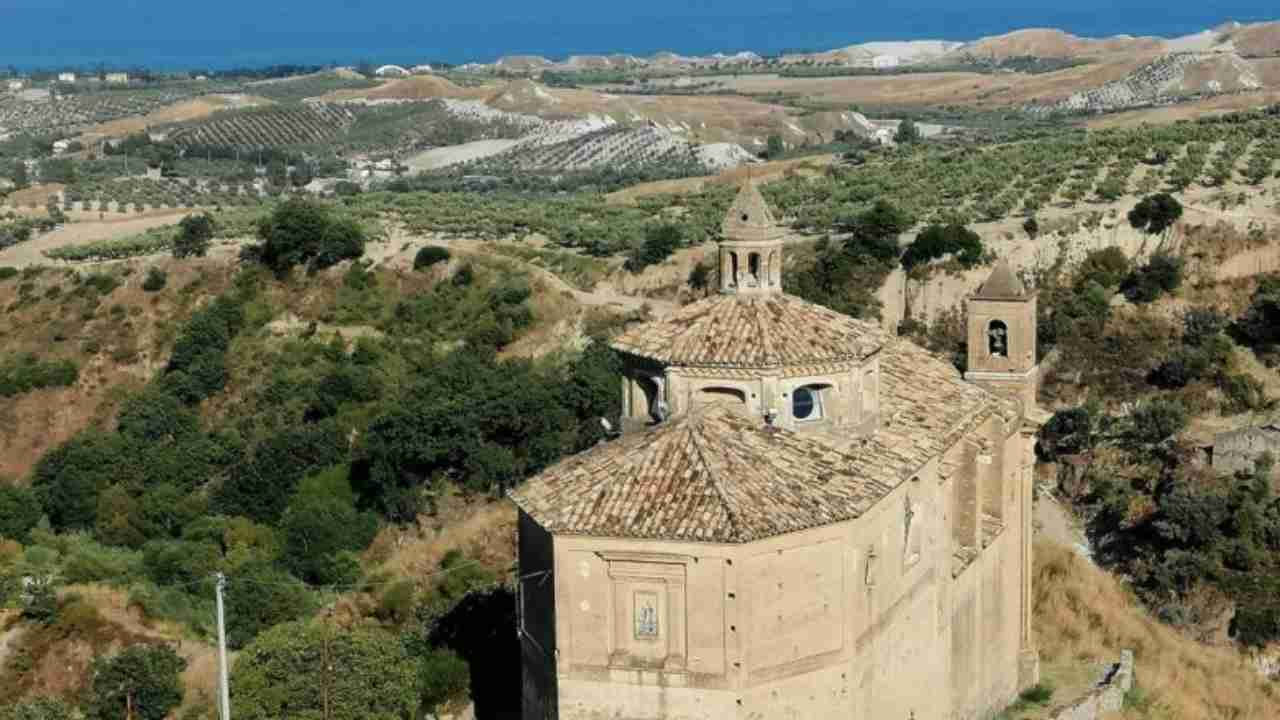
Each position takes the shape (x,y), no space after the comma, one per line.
(753,332)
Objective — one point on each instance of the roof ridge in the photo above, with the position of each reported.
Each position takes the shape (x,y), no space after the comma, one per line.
(735,526)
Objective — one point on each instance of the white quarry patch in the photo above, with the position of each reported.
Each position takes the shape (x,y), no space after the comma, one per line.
(723,156)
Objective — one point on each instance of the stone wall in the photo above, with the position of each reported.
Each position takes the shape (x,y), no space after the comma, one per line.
(1106,697)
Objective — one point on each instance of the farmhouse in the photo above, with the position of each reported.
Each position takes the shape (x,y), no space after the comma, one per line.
(1238,450)
(16,85)
(67,77)
(117,78)
(805,517)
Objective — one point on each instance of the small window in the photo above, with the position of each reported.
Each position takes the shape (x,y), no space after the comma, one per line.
(998,339)
(806,403)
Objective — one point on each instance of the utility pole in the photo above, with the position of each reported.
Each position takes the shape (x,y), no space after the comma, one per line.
(224,697)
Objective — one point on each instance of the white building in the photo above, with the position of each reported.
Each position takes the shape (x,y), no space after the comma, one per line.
(391,71)
(16,85)
(67,77)
(422,69)
(885,62)
(60,147)
(118,78)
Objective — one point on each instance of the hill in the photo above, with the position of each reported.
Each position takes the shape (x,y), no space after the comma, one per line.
(1049,43)
(1083,614)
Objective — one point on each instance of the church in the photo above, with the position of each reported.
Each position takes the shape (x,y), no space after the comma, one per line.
(805,516)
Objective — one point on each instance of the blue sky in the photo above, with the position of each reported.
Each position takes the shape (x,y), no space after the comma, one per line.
(228,32)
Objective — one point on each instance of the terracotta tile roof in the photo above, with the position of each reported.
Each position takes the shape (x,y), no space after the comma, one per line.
(755,331)
(715,476)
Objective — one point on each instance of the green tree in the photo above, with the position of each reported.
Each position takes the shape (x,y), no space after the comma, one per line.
(318,527)
(1162,274)
(195,235)
(660,241)
(1157,420)
(907,133)
(305,232)
(310,670)
(260,596)
(937,241)
(1258,327)
(21,180)
(142,681)
(19,512)
(1155,214)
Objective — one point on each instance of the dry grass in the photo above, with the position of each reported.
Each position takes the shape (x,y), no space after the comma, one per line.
(763,172)
(1084,615)
(483,531)
(37,195)
(184,111)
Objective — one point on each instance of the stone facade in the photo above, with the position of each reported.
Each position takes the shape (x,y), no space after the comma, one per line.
(810,519)
(1238,450)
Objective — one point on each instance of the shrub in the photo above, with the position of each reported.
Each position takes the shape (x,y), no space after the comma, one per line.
(7,273)
(1107,267)
(155,281)
(38,708)
(195,234)
(1162,274)
(430,256)
(1031,226)
(19,512)
(25,373)
(444,677)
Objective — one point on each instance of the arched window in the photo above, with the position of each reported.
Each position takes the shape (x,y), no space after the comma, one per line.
(753,269)
(998,339)
(732,396)
(806,403)
(733,275)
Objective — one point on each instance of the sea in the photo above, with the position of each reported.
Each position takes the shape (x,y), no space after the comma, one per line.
(52,34)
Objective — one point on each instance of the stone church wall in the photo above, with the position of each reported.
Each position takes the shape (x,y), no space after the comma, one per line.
(861,619)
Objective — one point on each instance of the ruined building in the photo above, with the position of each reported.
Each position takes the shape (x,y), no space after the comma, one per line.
(807,517)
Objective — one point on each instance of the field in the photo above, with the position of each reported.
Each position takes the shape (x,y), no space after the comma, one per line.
(267,127)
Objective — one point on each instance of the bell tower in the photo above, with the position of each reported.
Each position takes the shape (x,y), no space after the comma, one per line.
(1002,337)
(751,251)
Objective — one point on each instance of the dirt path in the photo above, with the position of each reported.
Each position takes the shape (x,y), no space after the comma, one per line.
(82,233)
